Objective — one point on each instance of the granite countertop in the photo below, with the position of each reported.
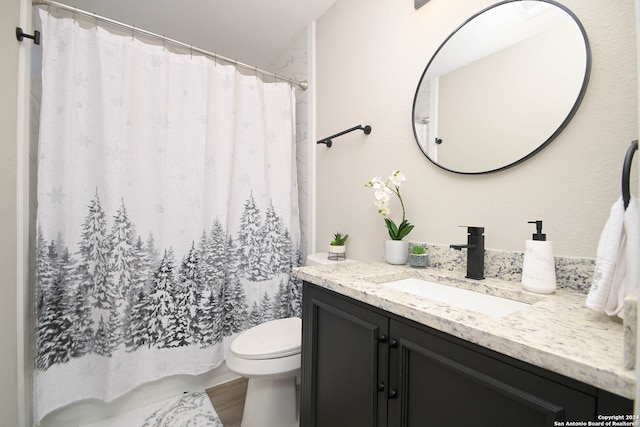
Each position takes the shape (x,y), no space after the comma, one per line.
(557,332)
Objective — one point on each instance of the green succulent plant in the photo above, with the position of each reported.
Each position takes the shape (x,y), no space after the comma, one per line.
(339,239)
(418,250)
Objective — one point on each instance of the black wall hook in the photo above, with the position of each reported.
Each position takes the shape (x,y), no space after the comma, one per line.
(20,35)
(328,140)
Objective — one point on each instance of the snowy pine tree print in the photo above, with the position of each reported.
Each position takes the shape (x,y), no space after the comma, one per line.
(140,268)
(233,256)
(101,340)
(94,254)
(281,308)
(161,303)
(121,255)
(54,329)
(255,318)
(115,292)
(153,256)
(293,298)
(136,326)
(66,265)
(82,331)
(208,326)
(187,300)
(266,309)
(289,253)
(250,240)
(226,315)
(114,328)
(274,248)
(44,273)
(216,255)
(240,308)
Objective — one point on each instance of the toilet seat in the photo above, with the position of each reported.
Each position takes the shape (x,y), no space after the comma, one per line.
(270,340)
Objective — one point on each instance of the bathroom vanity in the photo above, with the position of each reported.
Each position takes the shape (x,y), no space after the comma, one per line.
(378,356)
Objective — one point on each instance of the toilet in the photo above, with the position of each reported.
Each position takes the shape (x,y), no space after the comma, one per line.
(269,356)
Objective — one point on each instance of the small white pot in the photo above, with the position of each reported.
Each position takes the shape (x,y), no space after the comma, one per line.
(396,251)
(337,253)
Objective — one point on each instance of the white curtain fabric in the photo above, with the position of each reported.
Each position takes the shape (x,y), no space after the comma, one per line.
(167,212)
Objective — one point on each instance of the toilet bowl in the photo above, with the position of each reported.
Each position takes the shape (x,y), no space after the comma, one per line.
(269,356)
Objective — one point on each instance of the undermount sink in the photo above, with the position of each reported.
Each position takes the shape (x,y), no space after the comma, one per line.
(463,298)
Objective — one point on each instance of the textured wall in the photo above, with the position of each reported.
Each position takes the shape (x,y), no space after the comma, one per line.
(293,63)
(370,56)
(9,391)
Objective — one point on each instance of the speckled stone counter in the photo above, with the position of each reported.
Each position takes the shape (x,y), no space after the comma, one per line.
(556,332)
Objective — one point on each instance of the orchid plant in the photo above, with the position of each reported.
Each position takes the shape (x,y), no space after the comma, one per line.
(383,191)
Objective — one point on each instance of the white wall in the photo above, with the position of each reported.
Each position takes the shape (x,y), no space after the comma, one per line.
(8,297)
(370,56)
(14,354)
(294,63)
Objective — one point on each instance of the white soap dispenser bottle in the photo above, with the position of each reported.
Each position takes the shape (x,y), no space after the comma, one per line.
(538,266)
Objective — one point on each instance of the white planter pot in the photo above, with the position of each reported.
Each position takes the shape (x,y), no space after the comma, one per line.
(337,253)
(396,251)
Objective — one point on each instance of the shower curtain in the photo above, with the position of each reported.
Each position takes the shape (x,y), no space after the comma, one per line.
(167,217)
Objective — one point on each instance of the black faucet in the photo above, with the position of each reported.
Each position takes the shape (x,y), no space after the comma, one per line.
(475,252)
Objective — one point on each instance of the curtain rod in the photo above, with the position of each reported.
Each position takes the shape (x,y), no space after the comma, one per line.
(302,85)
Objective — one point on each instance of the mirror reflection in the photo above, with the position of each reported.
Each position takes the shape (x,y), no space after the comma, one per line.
(501,87)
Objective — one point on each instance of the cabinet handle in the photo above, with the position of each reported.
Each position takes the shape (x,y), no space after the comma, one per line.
(380,386)
(392,343)
(382,338)
(393,394)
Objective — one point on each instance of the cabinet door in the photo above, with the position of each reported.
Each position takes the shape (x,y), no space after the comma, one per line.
(441,383)
(344,374)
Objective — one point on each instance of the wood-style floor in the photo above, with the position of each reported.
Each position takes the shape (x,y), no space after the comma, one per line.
(228,400)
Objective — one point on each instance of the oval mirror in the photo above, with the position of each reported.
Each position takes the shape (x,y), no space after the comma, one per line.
(502,86)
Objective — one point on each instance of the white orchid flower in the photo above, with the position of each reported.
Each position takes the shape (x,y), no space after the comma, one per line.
(397,178)
(384,210)
(382,206)
(376,182)
(381,203)
(383,194)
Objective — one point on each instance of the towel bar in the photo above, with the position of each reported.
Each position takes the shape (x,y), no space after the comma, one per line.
(328,140)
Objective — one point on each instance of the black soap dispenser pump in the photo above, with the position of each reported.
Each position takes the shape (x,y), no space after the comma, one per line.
(538,266)
(538,235)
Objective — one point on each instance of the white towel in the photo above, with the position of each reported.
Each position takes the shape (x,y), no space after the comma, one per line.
(625,281)
(616,272)
(607,257)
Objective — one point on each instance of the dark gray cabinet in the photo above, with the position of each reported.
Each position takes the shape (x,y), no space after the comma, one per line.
(344,366)
(362,366)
